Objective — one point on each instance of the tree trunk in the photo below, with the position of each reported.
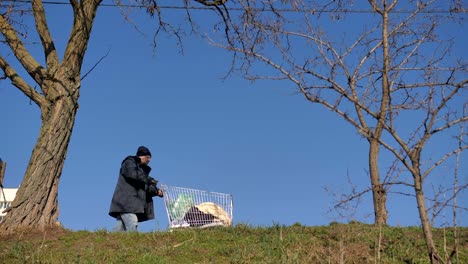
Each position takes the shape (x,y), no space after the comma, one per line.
(36,204)
(378,190)
(379,194)
(426,225)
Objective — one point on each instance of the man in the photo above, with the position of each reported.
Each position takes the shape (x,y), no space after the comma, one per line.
(132,201)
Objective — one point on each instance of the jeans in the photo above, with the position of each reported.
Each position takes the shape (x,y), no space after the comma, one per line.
(126,222)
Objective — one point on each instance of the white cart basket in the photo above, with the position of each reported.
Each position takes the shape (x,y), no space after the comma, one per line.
(196,208)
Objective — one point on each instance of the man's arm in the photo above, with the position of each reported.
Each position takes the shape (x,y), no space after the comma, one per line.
(153,189)
(132,174)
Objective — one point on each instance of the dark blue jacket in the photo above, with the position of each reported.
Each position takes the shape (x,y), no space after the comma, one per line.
(133,193)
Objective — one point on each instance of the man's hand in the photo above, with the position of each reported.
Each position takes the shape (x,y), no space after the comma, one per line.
(160,193)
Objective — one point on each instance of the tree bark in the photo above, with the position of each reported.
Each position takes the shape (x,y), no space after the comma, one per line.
(379,194)
(2,171)
(421,203)
(378,190)
(36,203)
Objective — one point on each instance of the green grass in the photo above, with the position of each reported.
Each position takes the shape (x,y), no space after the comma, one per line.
(337,243)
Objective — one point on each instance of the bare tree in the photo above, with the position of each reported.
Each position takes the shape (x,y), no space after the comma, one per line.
(396,81)
(59,80)
(456,186)
(36,202)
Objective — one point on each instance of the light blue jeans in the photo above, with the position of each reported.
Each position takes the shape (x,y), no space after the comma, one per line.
(126,222)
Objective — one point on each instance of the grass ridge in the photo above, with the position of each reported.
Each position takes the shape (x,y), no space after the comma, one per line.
(337,243)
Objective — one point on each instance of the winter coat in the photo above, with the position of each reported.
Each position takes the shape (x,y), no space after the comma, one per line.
(133,193)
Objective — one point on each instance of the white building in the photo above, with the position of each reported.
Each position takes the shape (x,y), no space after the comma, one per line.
(7,195)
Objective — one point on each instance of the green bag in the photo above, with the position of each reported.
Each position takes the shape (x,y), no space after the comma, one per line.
(179,207)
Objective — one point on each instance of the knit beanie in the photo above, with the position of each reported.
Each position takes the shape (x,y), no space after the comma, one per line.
(143,151)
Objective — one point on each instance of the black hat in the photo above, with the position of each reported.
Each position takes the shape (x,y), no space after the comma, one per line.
(143,151)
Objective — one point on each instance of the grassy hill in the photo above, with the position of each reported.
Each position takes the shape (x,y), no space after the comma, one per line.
(336,243)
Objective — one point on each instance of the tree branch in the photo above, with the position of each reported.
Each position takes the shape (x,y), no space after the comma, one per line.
(52,60)
(17,81)
(95,65)
(84,12)
(441,160)
(34,69)
(453,122)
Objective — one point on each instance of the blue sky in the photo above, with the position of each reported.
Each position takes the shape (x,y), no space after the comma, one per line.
(280,157)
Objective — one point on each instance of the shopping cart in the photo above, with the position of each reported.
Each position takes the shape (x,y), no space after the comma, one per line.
(196,208)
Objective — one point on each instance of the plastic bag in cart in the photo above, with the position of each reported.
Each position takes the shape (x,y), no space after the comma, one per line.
(179,207)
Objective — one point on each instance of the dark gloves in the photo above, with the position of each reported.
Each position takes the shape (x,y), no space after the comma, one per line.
(152,188)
